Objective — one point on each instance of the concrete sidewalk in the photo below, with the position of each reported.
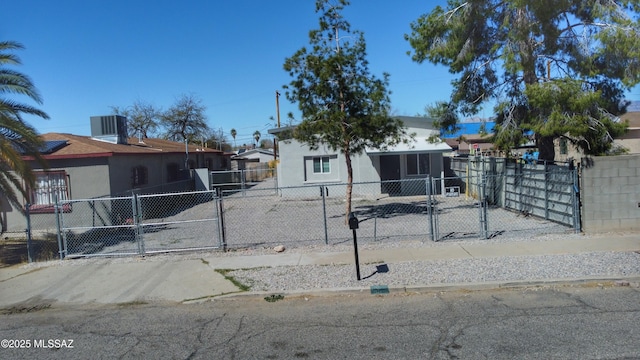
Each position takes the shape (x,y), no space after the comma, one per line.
(183,279)
(459,250)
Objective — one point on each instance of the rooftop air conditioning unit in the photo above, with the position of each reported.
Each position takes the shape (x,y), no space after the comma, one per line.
(111,128)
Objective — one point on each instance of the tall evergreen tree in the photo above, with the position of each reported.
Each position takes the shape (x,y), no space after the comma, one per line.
(17,137)
(558,68)
(343,105)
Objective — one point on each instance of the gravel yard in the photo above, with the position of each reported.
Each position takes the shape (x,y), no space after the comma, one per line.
(444,271)
(450,271)
(258,217)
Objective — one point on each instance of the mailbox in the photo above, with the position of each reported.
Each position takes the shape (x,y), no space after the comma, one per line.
(353,225)
(353,221)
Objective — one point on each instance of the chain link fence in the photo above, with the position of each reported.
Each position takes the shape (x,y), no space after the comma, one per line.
(516,201)
(140,224)
(524,203)
(498,197)
(242,179)
(307,215)
(489,207)
(37,242)
(126,225)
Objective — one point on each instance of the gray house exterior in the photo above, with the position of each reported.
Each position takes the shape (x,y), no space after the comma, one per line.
(300,166)
(83,167)
(253,156)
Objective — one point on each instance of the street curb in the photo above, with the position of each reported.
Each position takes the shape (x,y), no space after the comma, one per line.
(613,281)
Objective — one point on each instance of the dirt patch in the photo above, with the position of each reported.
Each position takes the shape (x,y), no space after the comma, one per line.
(23,309)
(14,251)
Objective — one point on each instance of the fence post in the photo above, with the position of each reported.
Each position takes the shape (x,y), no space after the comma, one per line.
(430,205)
(324,215)
(137,217)
(216,201)
(28,232)
(546,191)
(503,182)
(576,201)
(62,241)
(375,222)
(243,180)
(482,203)
(221,225)
(274,174)
(520,179)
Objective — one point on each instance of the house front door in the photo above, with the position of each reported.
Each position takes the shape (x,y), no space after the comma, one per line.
(389,171)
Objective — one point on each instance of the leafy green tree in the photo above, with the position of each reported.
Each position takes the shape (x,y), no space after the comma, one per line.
(185,120)
(579,56)
(343,105)
(142,118)
(17,138)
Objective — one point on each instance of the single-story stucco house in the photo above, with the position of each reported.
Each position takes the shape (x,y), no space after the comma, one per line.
(108,163)
(300,166)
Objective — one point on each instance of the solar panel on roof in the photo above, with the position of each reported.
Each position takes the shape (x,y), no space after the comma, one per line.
(47,147)
(52,145)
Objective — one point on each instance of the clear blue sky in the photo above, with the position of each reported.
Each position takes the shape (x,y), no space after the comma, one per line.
(86,56)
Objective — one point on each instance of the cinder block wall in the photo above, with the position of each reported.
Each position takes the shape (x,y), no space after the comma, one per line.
(610,193)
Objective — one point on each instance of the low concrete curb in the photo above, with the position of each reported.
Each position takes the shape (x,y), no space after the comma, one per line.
(633,281)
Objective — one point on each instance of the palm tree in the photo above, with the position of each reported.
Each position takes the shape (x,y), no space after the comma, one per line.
(233,135)
(17,138)
(256,135)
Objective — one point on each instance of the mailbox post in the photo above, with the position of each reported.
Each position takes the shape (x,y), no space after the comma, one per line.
(353,225)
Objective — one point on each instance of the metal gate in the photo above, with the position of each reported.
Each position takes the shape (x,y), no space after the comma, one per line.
(454,214)
(526,203)
(140,224)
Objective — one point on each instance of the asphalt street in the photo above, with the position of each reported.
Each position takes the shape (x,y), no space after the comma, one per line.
(569,322)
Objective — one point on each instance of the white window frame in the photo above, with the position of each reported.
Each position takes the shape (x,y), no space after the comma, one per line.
(322,160)
(49,186)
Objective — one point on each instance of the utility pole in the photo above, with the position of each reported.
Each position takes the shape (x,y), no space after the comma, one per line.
(186,154)
(275,138)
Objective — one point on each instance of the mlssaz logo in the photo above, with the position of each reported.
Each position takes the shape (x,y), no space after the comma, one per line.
(53,344)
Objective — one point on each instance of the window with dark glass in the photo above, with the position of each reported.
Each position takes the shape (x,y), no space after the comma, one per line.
(139,176)
(417,164)
(172,172)
(564,149)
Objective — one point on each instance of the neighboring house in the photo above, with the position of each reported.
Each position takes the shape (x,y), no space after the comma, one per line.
(474,138)
(468,140)
(109,164)
(629,141)
(258,155)
(299,165)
